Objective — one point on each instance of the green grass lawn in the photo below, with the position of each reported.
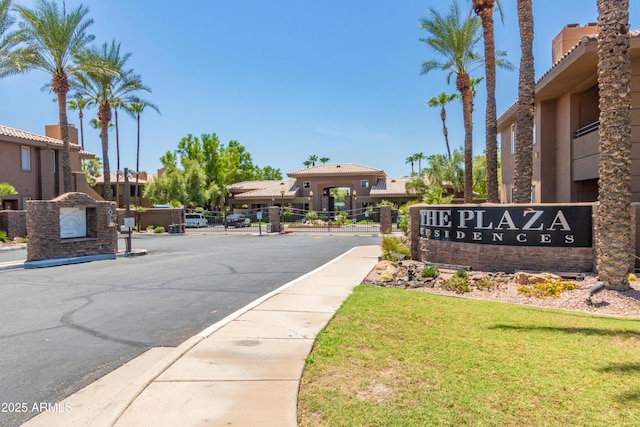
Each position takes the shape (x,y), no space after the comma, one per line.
(393,357)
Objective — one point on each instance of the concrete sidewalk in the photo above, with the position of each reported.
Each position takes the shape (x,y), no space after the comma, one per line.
(245,370)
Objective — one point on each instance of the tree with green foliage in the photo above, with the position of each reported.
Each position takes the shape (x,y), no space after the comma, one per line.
(80,104)
(6,189)
(102,86)
(91,169)
(135,109)
(454,38)
(8,41)
(51,39)
(199,171)
(442,101)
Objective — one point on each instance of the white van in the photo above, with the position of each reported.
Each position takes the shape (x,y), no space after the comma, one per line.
(195,220)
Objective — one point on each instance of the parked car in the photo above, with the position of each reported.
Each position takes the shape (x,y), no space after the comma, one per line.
(195,220)
(237,220)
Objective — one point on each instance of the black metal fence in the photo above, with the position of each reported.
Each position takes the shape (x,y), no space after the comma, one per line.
(364,220)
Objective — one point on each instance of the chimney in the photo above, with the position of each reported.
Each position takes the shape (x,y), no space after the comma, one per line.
(568,38)
(54,131)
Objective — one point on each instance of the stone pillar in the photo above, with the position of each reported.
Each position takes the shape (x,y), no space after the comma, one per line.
(385,219)
(274,218)
(72,225)
(413,231)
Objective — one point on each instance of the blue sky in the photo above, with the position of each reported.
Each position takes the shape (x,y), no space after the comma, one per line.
(290,78)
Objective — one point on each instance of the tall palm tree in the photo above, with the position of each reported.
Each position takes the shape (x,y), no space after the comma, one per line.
(79,103)
(52,37)
(7,38)
(419,158)
(442,101)
(613,241)
(484,9)
(313,159)
(455,39)
(135,109)
(525,107)
(324,160)
(102,88)
(411,159)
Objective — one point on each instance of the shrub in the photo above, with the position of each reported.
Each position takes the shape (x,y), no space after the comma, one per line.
(430,270)
(342,218)
(462,274)
(548,288)
(457,284)
(159,229)
(150,227)
(632,277)
(3,236)
(391,245)
(311,216)
(486,283)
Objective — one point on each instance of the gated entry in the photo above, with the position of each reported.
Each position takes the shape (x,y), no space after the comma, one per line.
(364,220)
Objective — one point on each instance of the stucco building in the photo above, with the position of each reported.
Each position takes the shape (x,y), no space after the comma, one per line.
(566,140)
(32,164)
(309,189)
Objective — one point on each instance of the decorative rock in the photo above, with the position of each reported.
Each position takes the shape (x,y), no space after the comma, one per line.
(524,278)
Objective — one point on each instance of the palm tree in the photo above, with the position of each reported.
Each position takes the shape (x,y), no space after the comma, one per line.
(411,159)
(613,240)
(135,109)
(52,37)
(307,163)
(79,103)
(419,157)
(313,159)
(102,88)
(524,107)
(7,39)
(484,9)
(442,101)
(324,160)
(455,39)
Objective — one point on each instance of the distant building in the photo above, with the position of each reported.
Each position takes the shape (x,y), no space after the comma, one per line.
(566,142)
(310,189)
(32,164)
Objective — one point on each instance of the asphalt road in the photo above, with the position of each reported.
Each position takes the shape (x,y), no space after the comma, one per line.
(62,328)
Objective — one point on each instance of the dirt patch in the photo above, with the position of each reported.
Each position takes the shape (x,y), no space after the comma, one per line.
(406,275)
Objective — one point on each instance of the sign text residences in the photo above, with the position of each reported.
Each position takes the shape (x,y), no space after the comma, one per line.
(558,226)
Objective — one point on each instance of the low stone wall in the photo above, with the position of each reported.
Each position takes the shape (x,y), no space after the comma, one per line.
(14,223)
(507,258)
(44,241)
(501,257)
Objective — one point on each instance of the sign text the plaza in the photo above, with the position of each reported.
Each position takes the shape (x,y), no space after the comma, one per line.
(510,225)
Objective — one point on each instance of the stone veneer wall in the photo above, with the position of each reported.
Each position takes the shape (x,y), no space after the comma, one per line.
(385,219)
(43,229)
(14,223)
(502,257)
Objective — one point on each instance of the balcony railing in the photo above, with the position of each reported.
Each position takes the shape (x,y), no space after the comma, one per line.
(587,129)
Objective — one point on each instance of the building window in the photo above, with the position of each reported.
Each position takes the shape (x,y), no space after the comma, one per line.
(513,138)
(306,184)
(26,159)
(364,183)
